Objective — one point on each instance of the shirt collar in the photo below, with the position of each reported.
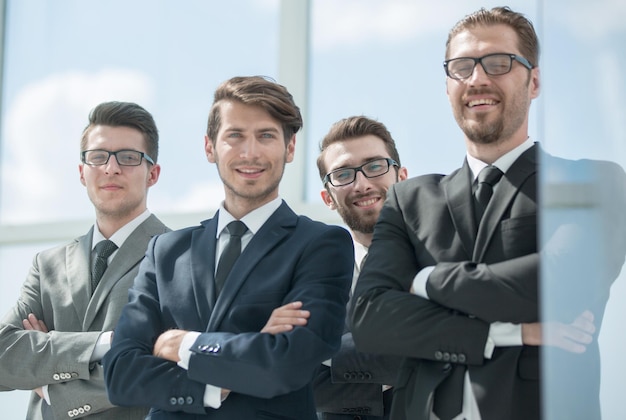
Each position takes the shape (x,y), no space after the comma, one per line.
(253,220)
(122,233)
(503,163)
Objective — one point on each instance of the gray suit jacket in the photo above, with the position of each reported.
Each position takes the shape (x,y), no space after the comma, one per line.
(57,291)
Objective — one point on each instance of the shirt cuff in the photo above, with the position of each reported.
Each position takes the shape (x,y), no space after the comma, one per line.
(102,346)
(212,396)
(502,334)
(46,394)
(184,350)
(419,282)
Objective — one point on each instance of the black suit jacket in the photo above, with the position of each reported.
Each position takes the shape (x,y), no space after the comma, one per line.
(290,258)
(483,274)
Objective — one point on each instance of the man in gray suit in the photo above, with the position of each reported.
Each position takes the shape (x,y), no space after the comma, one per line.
(53,339)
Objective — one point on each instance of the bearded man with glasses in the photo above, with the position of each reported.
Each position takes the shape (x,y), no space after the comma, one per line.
(452,278)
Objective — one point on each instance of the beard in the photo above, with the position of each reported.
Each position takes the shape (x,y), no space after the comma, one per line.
(359,223)
(483,131)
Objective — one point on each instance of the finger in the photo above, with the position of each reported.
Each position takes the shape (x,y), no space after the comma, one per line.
(27,325)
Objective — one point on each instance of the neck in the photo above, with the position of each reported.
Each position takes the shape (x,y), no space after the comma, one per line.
(364,239)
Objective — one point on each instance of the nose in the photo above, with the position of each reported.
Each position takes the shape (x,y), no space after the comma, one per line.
(249,148)
(479,76)
(112,166)
(361,182)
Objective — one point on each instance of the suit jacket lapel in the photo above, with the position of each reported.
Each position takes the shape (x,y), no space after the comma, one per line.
(458,189)
(505,192)
(203,248)
(78,263)
(128,256)
(271,233)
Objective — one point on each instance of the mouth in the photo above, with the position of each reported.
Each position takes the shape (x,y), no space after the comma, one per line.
(111,187)
(250,172)
(366,202)
(481,102)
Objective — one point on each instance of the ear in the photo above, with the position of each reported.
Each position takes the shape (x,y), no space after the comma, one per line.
(153,174)
(291,149)
(82,175)
(402,174)
(209,149)
(328,199)
(535,83)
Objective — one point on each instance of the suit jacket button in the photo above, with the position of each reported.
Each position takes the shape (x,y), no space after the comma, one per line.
(454,358)
(361,376)
(368,376)
(346,376)
(181,401)
(203,348)
(173,400)
(216,348)
(446,356)
(56,377)
(189,400)
(74,375)
(70,414)
(462,358)
(438,355)
(75,412)
(87,408)
(81,410)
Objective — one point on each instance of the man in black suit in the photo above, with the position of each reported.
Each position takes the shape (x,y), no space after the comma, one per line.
(456,292)
(358,162)
(189,342)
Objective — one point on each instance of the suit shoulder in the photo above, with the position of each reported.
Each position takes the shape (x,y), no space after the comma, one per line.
(421,181)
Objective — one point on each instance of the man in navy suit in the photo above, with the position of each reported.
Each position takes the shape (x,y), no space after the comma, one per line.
(191,349)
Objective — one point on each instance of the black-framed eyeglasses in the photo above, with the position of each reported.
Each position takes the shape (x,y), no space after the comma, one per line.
(371,169)
(98,157)
(493,64)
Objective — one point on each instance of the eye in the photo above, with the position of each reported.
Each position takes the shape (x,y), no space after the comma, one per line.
(343,175)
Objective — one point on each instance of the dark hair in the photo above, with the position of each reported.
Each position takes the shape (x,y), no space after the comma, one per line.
(528,43)
(124,114)
(353,127)
(257,91)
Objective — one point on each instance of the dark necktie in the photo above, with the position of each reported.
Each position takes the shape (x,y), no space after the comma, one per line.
(236,230)
(487,178)
(449,394)
(104,249)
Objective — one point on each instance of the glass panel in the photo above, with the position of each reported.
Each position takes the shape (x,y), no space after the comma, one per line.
(583,91)
(64,57)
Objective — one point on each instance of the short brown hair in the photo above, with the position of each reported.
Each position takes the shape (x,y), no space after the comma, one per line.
(528,43)
(353,127)
(125,114)
(257,91)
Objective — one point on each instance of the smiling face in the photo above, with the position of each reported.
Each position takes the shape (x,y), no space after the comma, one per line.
(491,109)
(118,193)
(360,202)
(250,154)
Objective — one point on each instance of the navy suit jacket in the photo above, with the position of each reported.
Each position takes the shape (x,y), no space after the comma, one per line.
(485,274)
(291,258)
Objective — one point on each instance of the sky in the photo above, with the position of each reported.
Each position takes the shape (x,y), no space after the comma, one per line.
(380,58)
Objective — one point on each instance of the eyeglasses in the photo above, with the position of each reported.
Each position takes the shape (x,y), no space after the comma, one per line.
(98,157)
(371,169)
(493,64)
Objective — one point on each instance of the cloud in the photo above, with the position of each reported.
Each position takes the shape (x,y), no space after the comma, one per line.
(592,20)
(42,128)
(358,22)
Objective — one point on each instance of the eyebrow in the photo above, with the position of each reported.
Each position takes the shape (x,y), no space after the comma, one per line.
(365,160)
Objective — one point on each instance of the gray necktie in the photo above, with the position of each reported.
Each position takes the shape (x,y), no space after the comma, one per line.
(104,249)
(487,178)
(236,230)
